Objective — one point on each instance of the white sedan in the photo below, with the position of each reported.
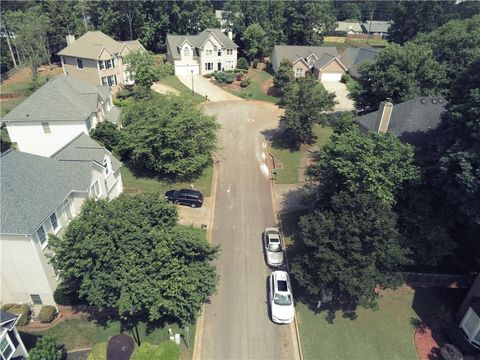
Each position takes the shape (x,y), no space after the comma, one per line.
(281,299)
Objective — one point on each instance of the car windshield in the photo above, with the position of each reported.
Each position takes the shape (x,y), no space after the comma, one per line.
(274,247)
(282,299)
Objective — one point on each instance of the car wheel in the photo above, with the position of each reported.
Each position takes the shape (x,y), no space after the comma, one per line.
(193,205)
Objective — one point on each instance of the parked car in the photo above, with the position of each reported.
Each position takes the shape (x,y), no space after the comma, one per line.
(187,197)
(273,247)
(281,299)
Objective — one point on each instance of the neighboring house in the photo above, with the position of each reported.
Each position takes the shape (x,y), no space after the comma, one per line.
(469,314)
(11,344)
(39,196)
(57,112)
(379,28)
(412,121)
(326,63)
(349,27)
(98,59)
(209,51)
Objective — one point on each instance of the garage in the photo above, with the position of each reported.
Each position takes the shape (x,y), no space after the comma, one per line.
(186,69)
(331,76)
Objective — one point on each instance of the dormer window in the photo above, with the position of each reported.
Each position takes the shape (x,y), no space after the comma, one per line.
(107,166)
(186,52)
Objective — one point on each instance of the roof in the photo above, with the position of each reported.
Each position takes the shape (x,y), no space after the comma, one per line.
(409,118)
(175,41)
(348,26)
(84,149)
(293,52)
(5,318)
(33,186)
(353,57)
(113,115)
(62,98)
(90,45)
(376,26)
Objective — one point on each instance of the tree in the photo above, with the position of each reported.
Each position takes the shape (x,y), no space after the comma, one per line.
(284,76)
(400,73)
(242,63)
(349,11)
(355,162)
(47,348)
(108,134)
(255,40)
(352,248)
(304,103)
(142,68)
(168,135)
(128,254)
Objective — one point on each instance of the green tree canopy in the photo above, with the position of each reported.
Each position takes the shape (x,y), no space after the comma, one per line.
(142,68)
(284,76)
(47,347)
(108,134)
(349,11)
(357,162)
(305,103)
(129,254)
(400,73)
(255,40)
(352,249)
(168,135)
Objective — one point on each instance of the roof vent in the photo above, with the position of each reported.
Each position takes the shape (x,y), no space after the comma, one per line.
(424,101)
(434,101)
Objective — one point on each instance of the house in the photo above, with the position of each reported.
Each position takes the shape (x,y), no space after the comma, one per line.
(348,27)
(412,121)
(39,196)
(326,63)
(98,59)
(379,28)
(57,112)
(11,344)
(209,51)
(469,314)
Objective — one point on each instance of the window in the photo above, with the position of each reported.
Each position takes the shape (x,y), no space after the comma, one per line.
(109,80)
(229,51)
(108,64)
(6,348)
(54,221)
(219,53)
(299,72)
(186,52)
(208,52)
(471,327)
(101,65)
(79,63)
(104,80)
(229,64)
(95,189)
(41,235)
(46,128)
(105,165)
(209,66)
(36,299)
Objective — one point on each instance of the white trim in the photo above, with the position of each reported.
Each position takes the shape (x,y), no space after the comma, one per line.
(476,328)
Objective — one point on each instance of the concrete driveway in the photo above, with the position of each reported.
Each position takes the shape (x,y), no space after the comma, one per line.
(205,87)
(340,90)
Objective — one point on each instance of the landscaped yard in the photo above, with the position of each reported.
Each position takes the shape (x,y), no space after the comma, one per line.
(134,183)
(260,86)
(173,82)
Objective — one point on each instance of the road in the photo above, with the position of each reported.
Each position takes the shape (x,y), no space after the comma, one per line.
(236,322)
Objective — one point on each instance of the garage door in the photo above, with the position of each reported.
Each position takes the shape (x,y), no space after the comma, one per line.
(331,76)
(186,69)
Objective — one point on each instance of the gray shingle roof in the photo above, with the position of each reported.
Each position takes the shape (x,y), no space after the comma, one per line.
(354,57)
(62,98)
(293,52)
(113,115)
(347,26)
(33,186)
(376,26)
(409,119)
(6,317)
(197,41)
(84,149)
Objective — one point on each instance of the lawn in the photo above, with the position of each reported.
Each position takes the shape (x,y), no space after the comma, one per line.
(383,334)
(261,82)
(291,159)
(173,82)
(133,183)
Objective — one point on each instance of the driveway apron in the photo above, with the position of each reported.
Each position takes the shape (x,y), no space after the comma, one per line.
(206,88)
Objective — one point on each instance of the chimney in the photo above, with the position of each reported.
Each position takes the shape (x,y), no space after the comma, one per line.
(384,114)
(70,39)
(230,35)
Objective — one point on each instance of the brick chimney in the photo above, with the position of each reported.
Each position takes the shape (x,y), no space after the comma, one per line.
(70,39)
(384,114)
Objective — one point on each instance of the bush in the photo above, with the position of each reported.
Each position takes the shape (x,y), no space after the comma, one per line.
(245,82)
(346,78)
(19,309)
(107,133)
(121,102)
(239,77)
(450,352)
(64,295)
(224,77)
(167,350)
(208,76)
(47,314)
(255,63)
(242,63)
(123,94)
(166,69)
(47,348)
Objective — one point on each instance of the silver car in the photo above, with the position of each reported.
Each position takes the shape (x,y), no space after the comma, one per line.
(273,247)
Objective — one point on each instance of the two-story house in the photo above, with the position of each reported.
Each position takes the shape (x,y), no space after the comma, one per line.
(209,51)
(57,112)
(39,196)
(98,59)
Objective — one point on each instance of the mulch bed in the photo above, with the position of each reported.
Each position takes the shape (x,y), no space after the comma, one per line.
(427,346)
(120,347)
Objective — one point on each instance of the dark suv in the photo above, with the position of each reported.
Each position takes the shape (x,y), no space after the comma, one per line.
(188,197)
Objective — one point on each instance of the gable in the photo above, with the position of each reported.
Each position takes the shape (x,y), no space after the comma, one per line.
(105,54)
(334,66)
(211,42)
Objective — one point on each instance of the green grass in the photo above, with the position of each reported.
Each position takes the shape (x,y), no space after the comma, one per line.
(7,105)
(166,351)
(335,44)
(368,42)
(134,184)
(383,334)
(255,91)
(173,82)
(98,352)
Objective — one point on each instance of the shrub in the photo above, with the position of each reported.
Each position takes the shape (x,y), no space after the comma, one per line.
(255,63)
(19,309)
(47,314)
(64,295)
(450,352)
(346,78)
(123,94)
(208,76)
(245,82)
(166,69)
(107,133)
(121,102)
(242,63)
(47,348)
(224,77)
(239,77)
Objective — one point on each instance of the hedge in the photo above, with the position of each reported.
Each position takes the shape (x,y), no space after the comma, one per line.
(19,309)
(47,314)
(245,82)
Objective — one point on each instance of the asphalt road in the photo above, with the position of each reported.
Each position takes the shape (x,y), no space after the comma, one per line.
(237,323)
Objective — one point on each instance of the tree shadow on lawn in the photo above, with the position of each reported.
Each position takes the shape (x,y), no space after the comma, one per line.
(143,172)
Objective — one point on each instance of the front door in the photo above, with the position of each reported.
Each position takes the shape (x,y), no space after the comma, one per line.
(219,66)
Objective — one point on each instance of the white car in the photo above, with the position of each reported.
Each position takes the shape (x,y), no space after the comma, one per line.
(273,247)
(281,299)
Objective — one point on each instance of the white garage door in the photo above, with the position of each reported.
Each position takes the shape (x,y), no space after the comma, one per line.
(186,69)
(331,76)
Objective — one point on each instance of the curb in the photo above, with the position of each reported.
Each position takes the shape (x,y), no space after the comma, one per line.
(197,344)
(296,335)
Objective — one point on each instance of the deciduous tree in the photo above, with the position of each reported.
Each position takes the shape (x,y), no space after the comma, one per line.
(254,38)
(142,68)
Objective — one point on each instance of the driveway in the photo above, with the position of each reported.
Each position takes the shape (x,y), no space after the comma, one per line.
(236,322)
(205,87)
(340,90)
